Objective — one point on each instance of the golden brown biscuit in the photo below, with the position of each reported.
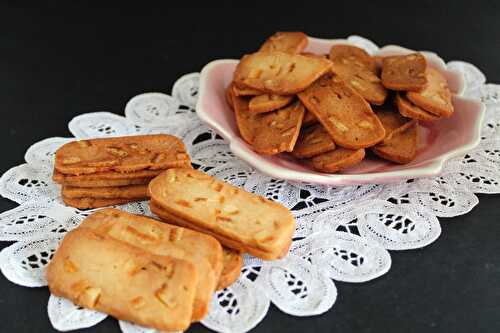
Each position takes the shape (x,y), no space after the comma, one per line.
(124,281)
(391,120)
(353,55)
(278,130)
(289,42)
(309,119)
(346,116)
(107,178)
(241,90)
(90,203)
(401,146)
(137,192)
(404,72)
(435,97)
(247,122)
(203,251)
(121,154)
(278,72)
(410,110)
(267,103)
(337,159)
(312,141)
(233,261)
(238,219)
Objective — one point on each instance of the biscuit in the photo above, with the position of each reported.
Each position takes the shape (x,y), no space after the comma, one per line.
(289,42)
(278,72)
(238,219)
(107,178)
(241,90)
(247,122)
(404,72)
(233,262)
(352,55)
(337,159)
(401,146)
(229,95)
(391,120)
(312,141)
(435,97)
(137,192)
(122,154)
(203,251)
(90,203)
(267,103)
(345,115)
(113,277)
(410,110)
(278,130)
(309,119)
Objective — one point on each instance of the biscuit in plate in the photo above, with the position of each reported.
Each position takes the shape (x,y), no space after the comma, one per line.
(345,115)
(238,219)
(289,42)
(268,102)
(278,130)
(337,159)
(312,141)
(435,97)
(122,280)
(410,110)
(401,146)
(247,122)
(404,72)
(279,73)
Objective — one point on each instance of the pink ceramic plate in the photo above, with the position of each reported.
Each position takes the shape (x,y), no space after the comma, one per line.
(439,141)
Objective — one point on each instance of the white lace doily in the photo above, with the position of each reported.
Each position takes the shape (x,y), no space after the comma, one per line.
(343,233)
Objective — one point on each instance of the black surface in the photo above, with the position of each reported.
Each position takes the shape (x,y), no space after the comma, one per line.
(55,65)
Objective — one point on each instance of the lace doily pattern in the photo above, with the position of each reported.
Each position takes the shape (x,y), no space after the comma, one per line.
(343,233)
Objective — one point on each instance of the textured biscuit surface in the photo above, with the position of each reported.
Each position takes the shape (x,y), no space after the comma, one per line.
(278,72)
(107,178)
(338,159)
(410,110)
(232,264)
(238,219)
(278,130)
(404,72)
(352,54)
(289,42)
(435,97)
(346,116)
(267,102)
(90,203)
(401,146)
(123,281)
(121,154)
(312,141)
(391,120)
(203,251)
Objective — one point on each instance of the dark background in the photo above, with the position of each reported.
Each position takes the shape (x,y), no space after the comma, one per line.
(56,63)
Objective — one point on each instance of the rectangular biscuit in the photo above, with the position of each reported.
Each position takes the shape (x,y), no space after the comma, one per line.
(134,192)
(91,203)
(108,178)
(404,72)
(248,122)
(124,281)
(203,251)
(238,219)
(345,115)
(122,154)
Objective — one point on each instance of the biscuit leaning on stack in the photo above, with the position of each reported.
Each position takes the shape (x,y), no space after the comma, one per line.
(110,171)
(238,219)
(319,107)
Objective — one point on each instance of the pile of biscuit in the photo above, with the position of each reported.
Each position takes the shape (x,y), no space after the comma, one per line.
(160,273)
(112,171)
(326,110)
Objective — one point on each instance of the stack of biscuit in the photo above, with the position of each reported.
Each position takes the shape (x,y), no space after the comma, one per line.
(328,109)
(110,171)
(148,272)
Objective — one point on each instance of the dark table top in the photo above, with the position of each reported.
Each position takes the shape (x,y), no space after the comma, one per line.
(55,65)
